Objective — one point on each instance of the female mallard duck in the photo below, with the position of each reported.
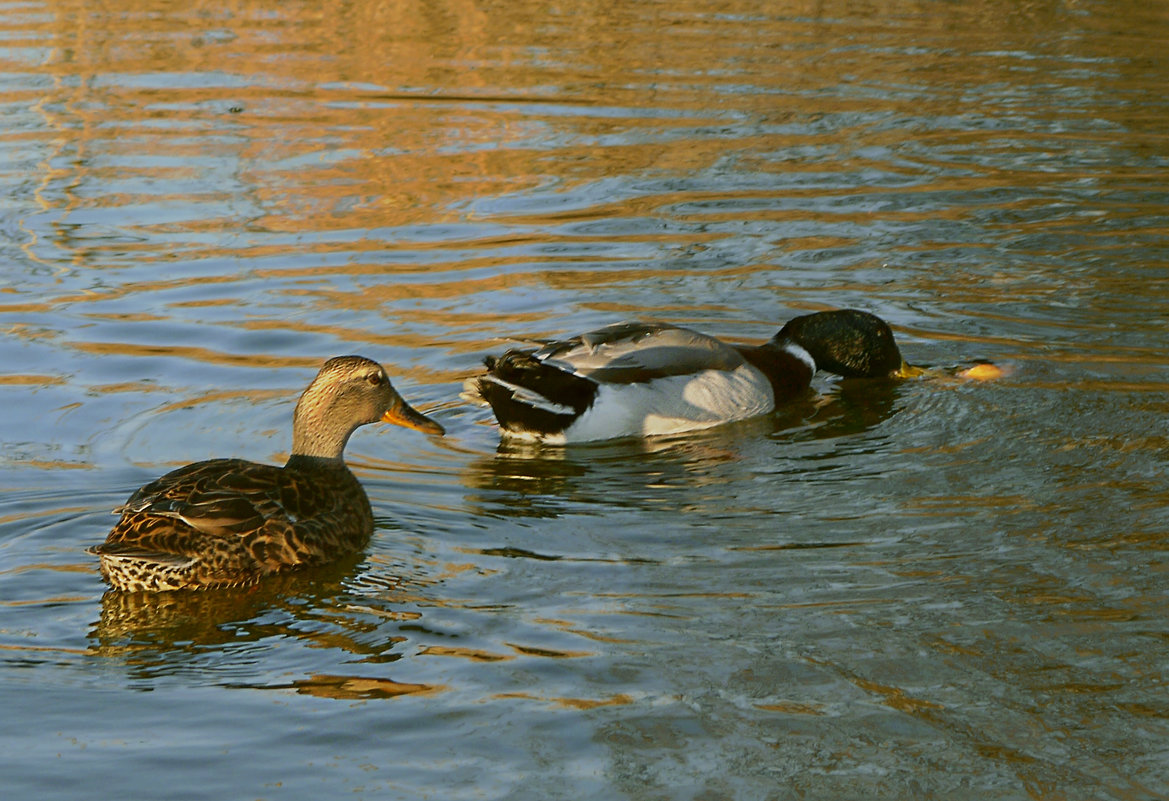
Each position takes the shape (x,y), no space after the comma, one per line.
(228,522)
(647,379)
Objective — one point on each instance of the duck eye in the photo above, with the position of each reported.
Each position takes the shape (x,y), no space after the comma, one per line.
(374,378)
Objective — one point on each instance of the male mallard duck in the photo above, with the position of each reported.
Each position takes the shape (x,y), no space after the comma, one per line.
(229,521)
(647,379)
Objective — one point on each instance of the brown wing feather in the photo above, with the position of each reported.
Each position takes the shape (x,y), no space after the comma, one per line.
(230,521)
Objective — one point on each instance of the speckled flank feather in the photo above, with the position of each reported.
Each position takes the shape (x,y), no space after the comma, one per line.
(230,522)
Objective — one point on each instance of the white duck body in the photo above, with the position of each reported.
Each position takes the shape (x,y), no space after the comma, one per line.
(671,405)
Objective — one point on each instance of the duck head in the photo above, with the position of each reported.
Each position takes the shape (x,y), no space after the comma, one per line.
(349,392)
(848,342)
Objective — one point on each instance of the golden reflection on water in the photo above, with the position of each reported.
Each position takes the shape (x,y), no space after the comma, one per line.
(338,147)
(620,699)
(32,380)
(354,688)
(475,655)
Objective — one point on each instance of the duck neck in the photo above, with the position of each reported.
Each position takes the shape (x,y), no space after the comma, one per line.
(316,464)
(318,434)
(787,366)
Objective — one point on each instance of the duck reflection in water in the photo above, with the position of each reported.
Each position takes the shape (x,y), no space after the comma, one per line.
(194,620)
(534,480)
(346,606)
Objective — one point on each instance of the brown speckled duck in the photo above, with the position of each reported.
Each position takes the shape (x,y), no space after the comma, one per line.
(229,522)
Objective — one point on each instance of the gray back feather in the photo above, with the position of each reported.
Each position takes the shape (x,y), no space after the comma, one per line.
(633,352)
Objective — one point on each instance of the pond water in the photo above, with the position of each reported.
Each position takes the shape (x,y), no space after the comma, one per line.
(941,588)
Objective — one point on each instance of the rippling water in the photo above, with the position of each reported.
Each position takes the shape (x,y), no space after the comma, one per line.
(940,589)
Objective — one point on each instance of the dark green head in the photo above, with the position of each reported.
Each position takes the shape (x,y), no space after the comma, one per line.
(847,342)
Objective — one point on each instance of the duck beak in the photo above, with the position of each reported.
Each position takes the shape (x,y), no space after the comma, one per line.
(907,370)
(403,414)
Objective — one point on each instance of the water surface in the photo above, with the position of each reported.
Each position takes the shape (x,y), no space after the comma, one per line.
(934,589)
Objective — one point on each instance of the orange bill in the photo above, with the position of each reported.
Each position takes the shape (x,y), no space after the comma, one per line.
(402,414)
(907,370)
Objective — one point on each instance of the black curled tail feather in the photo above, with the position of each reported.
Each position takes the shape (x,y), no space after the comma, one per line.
(527,394)
(557,386)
